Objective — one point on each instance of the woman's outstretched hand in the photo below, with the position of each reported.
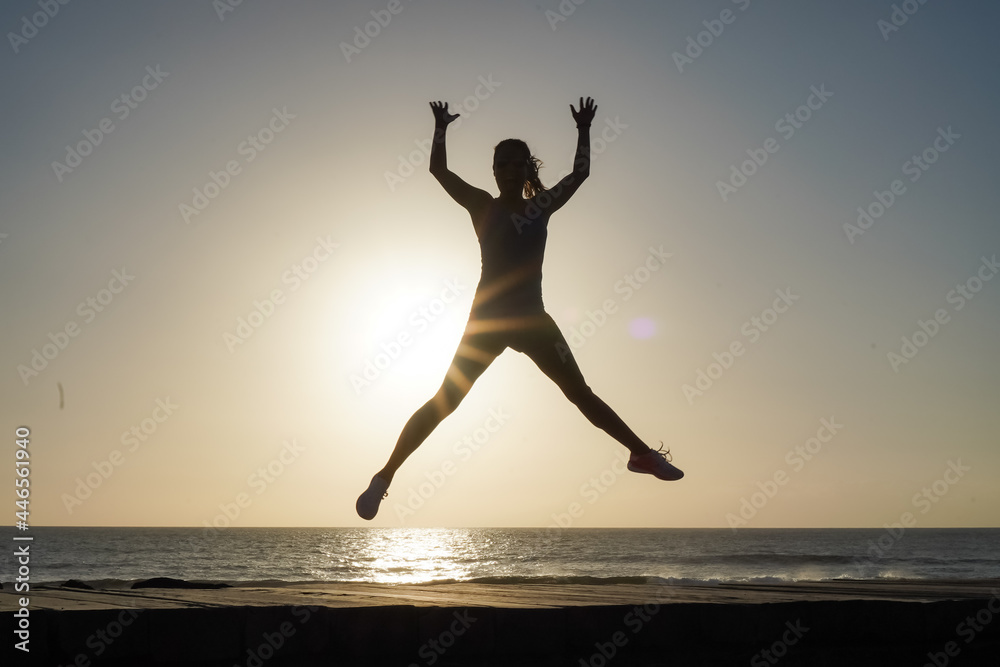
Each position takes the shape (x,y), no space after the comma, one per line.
(441,116)
(585,115)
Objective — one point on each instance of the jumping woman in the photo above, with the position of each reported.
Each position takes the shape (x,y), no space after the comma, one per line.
(507,309)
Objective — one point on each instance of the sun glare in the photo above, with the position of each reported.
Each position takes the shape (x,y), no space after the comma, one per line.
(411,555)
(413,326)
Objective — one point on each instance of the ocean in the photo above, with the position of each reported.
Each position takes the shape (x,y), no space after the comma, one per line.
(116,557)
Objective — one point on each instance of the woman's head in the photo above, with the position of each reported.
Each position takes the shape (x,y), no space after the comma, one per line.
(516,169)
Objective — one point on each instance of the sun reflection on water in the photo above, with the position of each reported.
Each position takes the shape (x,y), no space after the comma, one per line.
(411,555)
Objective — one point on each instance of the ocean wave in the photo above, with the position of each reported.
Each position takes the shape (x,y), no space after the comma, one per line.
(552,580)
(510,557)
(110,584)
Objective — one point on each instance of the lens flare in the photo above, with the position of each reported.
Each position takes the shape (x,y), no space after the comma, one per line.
(642,328)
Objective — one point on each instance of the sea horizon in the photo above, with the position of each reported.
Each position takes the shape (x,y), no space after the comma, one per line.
(13,528)
(117,556)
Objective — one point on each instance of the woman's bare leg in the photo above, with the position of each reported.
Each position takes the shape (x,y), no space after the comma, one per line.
(469,363)
(552,355)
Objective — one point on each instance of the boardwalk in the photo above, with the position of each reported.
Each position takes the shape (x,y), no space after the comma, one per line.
(483,624)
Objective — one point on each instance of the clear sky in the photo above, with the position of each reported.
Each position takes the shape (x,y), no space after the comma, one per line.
(214,222)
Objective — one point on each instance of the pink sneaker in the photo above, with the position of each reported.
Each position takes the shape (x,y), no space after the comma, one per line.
(656,463)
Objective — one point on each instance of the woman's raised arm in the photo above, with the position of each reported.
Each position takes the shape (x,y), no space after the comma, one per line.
(469,197)
(567,187)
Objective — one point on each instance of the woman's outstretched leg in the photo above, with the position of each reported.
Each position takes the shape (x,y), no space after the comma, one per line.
(550,352)
(420,425)
(469,363)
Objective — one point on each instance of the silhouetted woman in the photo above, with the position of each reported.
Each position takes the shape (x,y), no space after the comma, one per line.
(507,310)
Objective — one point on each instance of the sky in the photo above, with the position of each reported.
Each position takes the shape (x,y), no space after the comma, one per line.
(229,279)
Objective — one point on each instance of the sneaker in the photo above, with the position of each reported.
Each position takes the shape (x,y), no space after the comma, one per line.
(656,463)
(368,501)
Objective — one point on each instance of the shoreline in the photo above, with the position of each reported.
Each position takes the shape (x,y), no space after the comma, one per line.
(540,591)
(854,622)
(533,580)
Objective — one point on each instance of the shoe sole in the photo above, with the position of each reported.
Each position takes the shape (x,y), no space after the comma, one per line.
(365,498)
(361,514)
(650,472)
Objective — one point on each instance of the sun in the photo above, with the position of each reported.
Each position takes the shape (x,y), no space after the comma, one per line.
(408,329)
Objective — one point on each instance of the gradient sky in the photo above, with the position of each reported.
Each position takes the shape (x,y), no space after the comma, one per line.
(328,217)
